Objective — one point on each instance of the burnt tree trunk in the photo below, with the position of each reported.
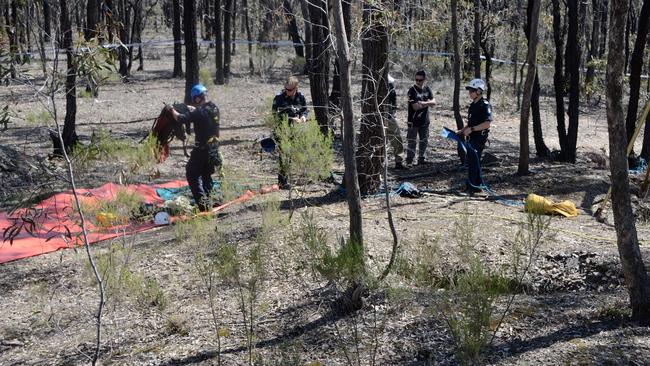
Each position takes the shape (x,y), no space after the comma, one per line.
(124,11)
(457,63)
(47,20)
(92,18)
(593,43)
(573,68)
(636,277)
(178,47)
(191,49)
(319,63)
(227,16)
(558,77)
(69,134)
(370,154)
(476,55)
(292,28)
(249,37)
(636,65)
(218,44)
(233,36)
(604,11)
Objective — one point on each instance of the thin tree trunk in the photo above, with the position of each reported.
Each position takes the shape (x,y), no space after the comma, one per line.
(604,11)
(593,49)
(531,60)
(47,15)
(125,23)
(573,58)
(69,125)
(335,95)
(558,78)
(457,62)
(92,18)
(304,8)
(636,65)
(249,38)
(191,49)
(178,47)
(541,150)
(227,16)
(292,28)
(218,44)
(636,277)
(476,56)
(233,36)
(349,135)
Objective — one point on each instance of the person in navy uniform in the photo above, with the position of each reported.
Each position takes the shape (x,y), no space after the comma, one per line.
(289,103)
(479,118)
(205,157)
(420,98)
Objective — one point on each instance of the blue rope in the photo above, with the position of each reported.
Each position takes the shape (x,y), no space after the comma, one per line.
(447,133)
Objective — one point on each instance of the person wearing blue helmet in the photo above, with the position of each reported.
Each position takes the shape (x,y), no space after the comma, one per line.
(205,156)
(479,119)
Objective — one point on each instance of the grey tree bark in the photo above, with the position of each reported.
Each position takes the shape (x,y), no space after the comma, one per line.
(531,60)
(636,277)
(349,133)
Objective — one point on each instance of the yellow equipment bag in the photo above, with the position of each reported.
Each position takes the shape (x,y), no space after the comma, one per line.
(543,206)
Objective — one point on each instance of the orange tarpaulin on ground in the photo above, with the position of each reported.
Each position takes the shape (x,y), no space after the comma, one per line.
(53,217)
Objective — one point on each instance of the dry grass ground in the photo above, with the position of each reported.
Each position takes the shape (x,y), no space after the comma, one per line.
(570,312)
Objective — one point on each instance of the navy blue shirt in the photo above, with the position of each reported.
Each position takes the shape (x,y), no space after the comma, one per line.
(415,94)
(479,112)
(205,120)
(291,107)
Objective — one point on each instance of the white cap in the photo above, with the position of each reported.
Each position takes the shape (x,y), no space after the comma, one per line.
(390,79)
(476,84)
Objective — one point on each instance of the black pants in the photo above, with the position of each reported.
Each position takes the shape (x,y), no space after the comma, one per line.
(198,172)
(474,151)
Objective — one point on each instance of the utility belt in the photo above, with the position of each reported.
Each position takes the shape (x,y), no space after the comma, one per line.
(480,133)
(212,148)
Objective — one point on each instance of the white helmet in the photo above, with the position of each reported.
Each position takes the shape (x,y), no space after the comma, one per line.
(476,84)
(390,79)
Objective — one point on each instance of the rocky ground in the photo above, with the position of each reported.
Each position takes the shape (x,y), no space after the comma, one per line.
(569,309)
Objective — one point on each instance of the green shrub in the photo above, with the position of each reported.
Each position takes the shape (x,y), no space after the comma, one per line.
(305,151)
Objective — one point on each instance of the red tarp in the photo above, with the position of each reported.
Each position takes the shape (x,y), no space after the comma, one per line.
(58,212)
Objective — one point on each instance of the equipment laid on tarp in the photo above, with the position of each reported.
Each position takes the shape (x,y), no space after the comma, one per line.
(53,223)
(543,206)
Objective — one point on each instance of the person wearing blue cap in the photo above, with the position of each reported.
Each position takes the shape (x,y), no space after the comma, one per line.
(205,157)
(479,118)
(289,103)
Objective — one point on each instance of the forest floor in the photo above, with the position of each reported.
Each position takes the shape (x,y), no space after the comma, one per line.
(573,309)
